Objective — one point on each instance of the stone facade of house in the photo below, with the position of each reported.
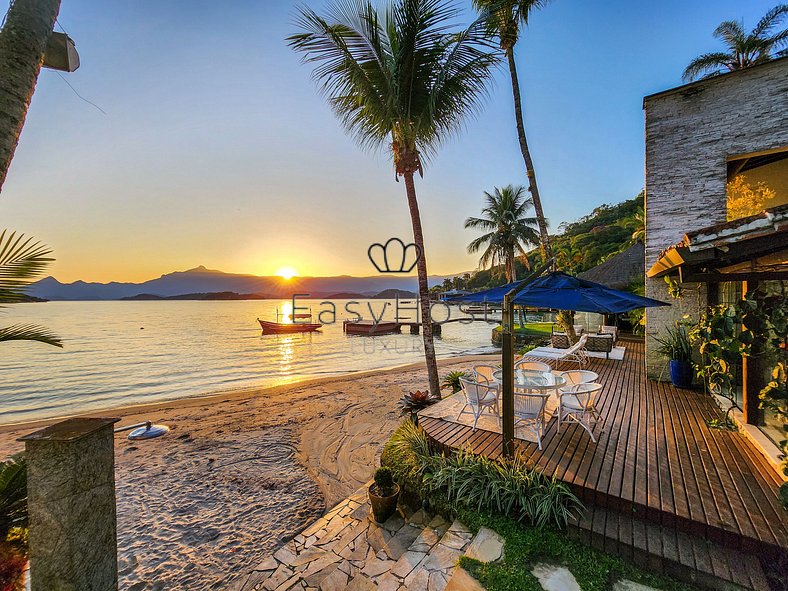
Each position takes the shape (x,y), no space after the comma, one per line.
(691,133)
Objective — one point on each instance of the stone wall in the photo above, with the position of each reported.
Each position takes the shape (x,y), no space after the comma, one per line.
(691,132)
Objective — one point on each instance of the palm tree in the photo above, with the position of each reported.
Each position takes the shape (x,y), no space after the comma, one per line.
(23,40)
(21,260)
(401,78)
(742,49)
(504,19)
(508,229)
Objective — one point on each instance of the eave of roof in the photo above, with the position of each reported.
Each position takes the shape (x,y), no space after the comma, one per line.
(704,245)
(698,84)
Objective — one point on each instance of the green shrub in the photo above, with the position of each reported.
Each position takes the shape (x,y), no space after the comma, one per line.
(508,487)
(384,481)
(451,381)
(13,494)
(526,349)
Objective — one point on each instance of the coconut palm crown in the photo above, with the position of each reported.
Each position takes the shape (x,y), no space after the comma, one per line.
(403,77)
(400,76)
(743,49)
(507,229)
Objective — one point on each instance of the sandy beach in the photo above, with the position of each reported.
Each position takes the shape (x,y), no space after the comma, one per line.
(241,472)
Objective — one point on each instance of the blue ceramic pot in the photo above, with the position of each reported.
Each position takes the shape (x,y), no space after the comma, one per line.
(681,373)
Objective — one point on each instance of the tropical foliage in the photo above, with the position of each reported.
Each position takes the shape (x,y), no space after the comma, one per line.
(674,344)
(22,259)
(507,229)
(507,487)
(606,231)
(405,78)
(451,381)
(13,495)
(742,49)
(413,402)
(504,21)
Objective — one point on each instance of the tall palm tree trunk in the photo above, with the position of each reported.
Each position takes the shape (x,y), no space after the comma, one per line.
(23,41)
(547,252)
(424,294)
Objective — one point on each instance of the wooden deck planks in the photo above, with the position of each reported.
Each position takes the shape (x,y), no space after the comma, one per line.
(656,456)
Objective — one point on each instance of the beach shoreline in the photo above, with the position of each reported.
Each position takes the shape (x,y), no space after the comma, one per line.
(242,471)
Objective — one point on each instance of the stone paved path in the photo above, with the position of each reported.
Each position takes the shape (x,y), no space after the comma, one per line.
(347,550)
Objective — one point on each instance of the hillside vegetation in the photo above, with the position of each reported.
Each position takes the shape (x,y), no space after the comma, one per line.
(578,246)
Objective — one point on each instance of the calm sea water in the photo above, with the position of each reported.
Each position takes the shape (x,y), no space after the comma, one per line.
(122,353)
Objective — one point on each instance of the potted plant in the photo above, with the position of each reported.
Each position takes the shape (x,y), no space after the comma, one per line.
(676,347)
(383,494)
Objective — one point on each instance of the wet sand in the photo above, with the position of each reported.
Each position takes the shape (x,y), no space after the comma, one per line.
(241,472)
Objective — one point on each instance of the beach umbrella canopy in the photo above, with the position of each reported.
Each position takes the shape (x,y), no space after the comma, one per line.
(560,291)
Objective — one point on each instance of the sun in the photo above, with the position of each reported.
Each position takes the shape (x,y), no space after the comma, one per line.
(287,273)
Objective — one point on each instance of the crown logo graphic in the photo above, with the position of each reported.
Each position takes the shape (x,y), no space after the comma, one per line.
(394,256)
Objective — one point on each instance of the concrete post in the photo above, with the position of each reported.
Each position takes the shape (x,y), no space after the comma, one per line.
(71,502)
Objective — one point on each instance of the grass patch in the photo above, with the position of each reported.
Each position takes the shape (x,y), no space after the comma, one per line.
(527,545)
(536,329)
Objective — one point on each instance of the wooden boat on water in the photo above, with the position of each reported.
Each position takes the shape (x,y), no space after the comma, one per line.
(286,328)
(289,327)
(370,328)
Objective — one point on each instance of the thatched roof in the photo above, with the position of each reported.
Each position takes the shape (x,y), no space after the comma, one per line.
(621,270)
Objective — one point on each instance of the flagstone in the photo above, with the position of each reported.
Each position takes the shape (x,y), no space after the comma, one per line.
(461,580)
(441,558)
(269,563)
(361,583)
(555,578)
(376,567)
(487,546)
(279,576)
(437,581)
(401,541)
(407,562)
(336,581)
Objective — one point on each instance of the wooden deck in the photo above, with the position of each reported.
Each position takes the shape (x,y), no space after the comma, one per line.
(655,459)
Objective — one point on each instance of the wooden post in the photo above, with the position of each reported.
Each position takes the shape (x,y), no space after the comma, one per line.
(507,366)
(71,504)
(750,376)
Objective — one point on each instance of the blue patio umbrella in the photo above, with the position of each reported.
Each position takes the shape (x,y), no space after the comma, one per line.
(560,291)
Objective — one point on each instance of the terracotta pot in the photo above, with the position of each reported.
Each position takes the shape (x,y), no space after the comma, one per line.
(383,507)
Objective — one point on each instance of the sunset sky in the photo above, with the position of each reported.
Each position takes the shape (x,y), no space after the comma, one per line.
(216,149)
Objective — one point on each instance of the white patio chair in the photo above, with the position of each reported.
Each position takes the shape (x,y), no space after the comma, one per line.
(532,365)
(578,403)
(529,410)
(578,376)
(579,329)
(478,396)
(576,353)
(484,374)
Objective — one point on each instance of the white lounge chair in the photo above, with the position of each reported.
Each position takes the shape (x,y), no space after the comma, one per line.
(578,403)
(479,396)
(529,410)
(574,353)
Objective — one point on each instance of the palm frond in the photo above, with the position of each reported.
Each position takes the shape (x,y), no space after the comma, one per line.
(731,32)
(770,20)
(707,64)
(21,260)
(29,332)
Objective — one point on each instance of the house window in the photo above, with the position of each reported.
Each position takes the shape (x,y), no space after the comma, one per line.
(756,183)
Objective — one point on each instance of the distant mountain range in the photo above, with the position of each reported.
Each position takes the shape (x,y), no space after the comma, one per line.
(202,283)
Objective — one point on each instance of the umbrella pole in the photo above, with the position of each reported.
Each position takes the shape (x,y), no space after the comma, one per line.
(507,357)
(507,394)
